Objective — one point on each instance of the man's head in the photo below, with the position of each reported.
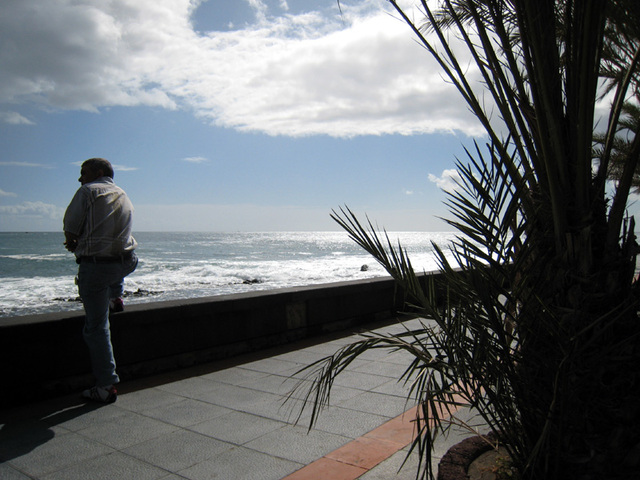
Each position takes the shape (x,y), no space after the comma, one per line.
(93,169)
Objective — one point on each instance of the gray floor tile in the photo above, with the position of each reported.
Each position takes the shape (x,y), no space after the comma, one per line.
(234,376)
(147,399)
(109,467)
(238,427)
(19,438)
(7,472)
(187,412)
(361,381)
(304,357)
(358,363)
(338,396)
(400,326)
(345,422)
(59,452)
(401,358)
(274,407)
(189,387)
(328,349)
(125,429)
(385,369)
(393,387)
(338,393)
(232,396)
(60,417)
(232,424)
(297,444)
(385,405)
(241,464)
(276,384)
(467,424)
(373,356)
(178,450)
(334,344)
(396,467)
(272,365)
(84,418)
(303,373)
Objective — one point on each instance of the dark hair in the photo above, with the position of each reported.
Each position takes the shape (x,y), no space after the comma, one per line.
(95,164)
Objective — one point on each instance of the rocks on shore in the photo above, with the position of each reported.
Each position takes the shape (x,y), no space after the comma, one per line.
(127,293)
(149,293)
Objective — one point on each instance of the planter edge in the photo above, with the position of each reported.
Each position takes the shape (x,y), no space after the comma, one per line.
(455,463)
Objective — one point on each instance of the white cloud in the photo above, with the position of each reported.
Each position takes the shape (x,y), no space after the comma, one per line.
(32,209)
(7,194)
(260,8)
(359,73)
(14,118)
(123,168)
(24,164)
(86,54)
(447,181)
(195,160)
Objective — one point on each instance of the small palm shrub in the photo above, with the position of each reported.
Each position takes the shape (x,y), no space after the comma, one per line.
(533,322)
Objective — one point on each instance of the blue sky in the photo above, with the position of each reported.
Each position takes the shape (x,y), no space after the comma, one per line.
(225,115)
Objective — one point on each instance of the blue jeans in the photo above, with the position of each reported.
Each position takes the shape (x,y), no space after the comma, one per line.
(97,283)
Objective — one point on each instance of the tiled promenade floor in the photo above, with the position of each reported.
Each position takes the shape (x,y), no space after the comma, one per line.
(225,420)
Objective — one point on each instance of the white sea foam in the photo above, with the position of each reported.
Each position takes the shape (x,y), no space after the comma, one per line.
(22,296)
(52,257)
(37,277)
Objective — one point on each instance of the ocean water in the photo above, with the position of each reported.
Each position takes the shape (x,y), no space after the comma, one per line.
(37,273)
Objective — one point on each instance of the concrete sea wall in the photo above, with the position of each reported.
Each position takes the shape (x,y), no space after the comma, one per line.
(44,355)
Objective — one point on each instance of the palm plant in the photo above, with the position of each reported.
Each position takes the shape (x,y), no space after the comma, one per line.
(622,35)
(534,323)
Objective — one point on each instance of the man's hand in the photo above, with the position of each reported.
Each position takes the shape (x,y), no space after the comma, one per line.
(71,241)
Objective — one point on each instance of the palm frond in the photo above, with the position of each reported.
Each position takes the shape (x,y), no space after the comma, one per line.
(534,310)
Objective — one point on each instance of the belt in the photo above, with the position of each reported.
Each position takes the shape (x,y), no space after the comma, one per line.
(116,259)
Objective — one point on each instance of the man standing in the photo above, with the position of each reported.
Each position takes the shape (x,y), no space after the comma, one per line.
(97,229)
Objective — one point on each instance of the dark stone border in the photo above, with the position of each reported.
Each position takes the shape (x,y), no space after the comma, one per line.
(455,463)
